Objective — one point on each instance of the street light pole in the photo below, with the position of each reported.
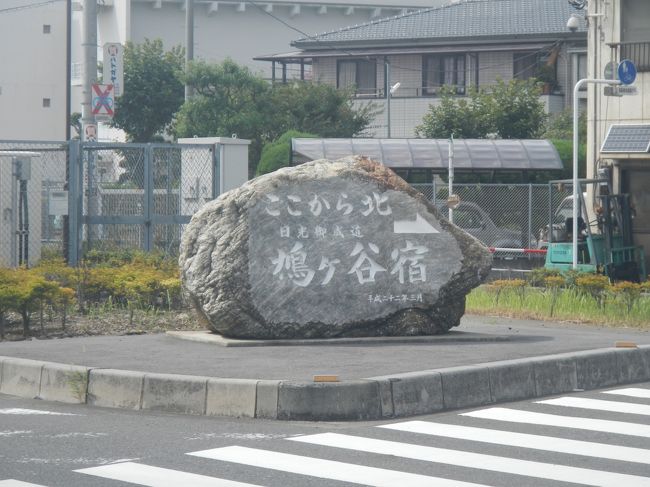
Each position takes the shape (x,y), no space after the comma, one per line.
(576,192)
(389,94)
(450,183)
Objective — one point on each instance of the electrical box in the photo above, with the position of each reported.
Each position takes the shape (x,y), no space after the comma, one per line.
(20,171)
(204,179)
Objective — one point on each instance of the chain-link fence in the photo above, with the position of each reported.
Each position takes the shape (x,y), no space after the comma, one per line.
(500,215)
(141,195)
(32,201)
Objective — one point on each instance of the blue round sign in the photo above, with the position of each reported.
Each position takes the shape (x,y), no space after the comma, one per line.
(626,72)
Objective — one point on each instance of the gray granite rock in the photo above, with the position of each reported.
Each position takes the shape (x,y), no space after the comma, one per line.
(328,249)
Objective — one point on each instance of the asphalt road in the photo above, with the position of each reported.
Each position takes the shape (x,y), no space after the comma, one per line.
(575,439)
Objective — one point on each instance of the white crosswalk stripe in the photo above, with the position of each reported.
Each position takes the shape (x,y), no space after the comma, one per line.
(327,469)
(523,440)
(599,405)
(140,474)
(631,392)
(460,458)
(17,483)
(602,425)
(628,471)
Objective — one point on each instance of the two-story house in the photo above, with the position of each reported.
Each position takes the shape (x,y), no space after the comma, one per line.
(462,44)
(618,128)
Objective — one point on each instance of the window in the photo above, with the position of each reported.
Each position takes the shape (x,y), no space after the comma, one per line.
(47,28)
(635,33)
(525,65)
(46,103)
(581,69)
(443,70)
(635,18)
(360,74)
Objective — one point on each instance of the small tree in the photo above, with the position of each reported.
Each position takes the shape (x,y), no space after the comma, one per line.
(510,110)
(153,90)
(560,126)
(278,154)
(231,99)
(454,115)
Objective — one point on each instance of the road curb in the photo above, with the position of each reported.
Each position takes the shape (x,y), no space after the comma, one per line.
(398,395)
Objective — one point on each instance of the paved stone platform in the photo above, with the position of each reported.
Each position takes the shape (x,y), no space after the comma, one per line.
(485,360)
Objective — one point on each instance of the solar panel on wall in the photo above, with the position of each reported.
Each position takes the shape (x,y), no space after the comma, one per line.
(627,138)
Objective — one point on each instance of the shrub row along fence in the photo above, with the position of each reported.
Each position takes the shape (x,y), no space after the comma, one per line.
(583,297)
(51,290)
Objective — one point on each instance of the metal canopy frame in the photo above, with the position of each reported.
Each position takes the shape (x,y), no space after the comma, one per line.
(432,154)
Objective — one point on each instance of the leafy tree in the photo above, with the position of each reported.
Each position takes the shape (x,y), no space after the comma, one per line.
(278,154)
(565,150)
(153,90)
(506,110)
(75,123)
(454,115)
(515,109)
(319,109)
(560,126)
(230,99)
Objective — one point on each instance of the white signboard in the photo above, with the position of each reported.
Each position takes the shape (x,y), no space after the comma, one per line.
(58,203)
(114,67)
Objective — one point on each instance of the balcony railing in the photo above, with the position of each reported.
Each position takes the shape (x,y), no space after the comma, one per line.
(637,52)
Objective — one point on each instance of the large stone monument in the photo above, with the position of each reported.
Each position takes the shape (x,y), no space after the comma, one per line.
(328,249)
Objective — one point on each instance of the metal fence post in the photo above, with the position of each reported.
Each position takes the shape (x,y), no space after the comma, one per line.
(216,170)
(148,197)
(530,216)
(75,208)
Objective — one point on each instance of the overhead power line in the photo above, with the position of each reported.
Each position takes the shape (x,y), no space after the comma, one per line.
(28,6)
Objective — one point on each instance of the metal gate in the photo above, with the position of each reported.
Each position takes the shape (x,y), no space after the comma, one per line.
(137,195)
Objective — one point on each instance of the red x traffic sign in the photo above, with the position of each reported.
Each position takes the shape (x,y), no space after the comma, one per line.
(102,100)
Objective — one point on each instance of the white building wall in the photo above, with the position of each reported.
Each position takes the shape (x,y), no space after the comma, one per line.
(33,70)
(631,172)
(607,110)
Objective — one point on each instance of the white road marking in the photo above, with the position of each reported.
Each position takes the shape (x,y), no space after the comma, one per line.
(460,458)
(17,483)
(599,405)
(523,440)
(606,426)
(16,433)
(326,469)
(631,392)
(140,474)
(20,411)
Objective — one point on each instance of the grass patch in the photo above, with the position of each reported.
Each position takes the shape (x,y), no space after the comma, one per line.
(613,308)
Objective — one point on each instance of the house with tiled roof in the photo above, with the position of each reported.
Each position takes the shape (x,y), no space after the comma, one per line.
(465,43)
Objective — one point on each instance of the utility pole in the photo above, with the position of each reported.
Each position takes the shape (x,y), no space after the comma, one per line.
(189,41)
(68,82)
(89,44)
